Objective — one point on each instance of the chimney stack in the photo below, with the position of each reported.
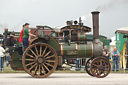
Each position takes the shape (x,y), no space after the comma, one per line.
(95,16)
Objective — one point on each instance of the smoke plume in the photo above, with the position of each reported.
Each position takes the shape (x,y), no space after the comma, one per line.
(112,5)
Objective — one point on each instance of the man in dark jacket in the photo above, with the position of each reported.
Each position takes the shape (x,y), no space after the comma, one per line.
(106,53)
(10,40)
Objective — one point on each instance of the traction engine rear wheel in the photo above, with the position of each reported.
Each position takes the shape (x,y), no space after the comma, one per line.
(100,67)
(39,60)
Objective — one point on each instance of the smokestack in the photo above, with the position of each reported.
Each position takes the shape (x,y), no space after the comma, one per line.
(95,16)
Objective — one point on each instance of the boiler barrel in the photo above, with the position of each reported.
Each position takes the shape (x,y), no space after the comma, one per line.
(77,50)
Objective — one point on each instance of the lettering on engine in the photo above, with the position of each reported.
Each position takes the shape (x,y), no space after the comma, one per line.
(72,52)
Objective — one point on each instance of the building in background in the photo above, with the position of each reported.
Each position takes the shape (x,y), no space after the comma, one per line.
(112,44)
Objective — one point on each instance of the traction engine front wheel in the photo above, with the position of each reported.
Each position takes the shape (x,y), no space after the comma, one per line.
(100,67)
(88,66)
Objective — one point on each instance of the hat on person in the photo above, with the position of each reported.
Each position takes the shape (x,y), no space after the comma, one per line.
(26,24)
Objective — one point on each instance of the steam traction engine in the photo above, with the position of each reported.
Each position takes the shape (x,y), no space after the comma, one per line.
(47,52)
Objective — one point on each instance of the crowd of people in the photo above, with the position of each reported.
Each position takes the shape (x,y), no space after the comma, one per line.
(24,42)
(115,57)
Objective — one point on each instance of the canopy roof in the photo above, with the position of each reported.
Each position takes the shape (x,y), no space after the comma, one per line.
(123,30)
(71,27)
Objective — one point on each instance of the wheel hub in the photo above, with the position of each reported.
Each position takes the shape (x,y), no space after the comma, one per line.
(100,67)
(40,60)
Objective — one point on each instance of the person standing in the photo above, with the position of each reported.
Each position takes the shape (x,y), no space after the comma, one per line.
(106,53)
(2,57)
(21,39)
(9,44)
(21,34)
(26,35)
(116,58)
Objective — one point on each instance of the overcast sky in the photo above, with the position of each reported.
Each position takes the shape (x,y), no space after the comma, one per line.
(54,13)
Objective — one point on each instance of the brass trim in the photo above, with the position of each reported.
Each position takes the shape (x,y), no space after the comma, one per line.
(62,49)
(76,46)
(91,49)
(84,36)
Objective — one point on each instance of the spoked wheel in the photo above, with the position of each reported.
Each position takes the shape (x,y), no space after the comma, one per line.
(39,60)
(88,66)
(100,67)
(125,54)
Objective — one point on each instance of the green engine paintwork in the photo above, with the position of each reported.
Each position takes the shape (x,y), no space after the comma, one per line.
(16,59)
(52,42)
(77,51)
(81,36)
(85,50)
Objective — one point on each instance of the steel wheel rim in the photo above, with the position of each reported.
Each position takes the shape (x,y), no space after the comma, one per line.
(88,66)
(39,60)
(121,60)
(124,56)
(100,67)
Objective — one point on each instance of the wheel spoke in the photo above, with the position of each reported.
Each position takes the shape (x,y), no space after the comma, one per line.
(39,69)
(103,73)
(101,62)
(29,64)
(36,50)
(46,67)
(106,66)
(50,61)
(43,69)
(97,72)
(29,55)
(49,64)
(44,51)
(49,57)
(94,70)
(35,70)
(33,52)
(29,59)
(40,49)
(95,65)
(32,66)
(47,53)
